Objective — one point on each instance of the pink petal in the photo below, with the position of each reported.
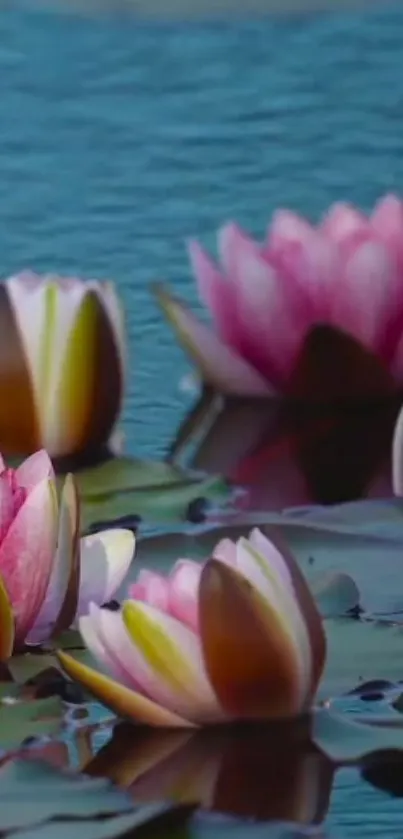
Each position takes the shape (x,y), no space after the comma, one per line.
(64,565)
(151,588)
(34,469)
(367,295)
(27,553)
(216,292)
(342,221)
(219,365)
(2,464)
(6,504)
(308,256)
(387,221)
(183,592)
(270,310)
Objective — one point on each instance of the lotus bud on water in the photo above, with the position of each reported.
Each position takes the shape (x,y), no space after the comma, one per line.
(62,350)
(48,575)
(265,299)
(238,638)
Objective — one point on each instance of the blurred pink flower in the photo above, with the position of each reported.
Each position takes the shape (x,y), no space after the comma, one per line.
(265,299)
(48,575)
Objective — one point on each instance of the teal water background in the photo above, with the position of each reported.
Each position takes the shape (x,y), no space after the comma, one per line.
(119,140)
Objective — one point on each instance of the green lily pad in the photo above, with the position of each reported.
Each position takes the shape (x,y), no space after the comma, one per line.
(336,594)
(123,474)
(22,719)
(167,502)
(372,558)
(359,651)
(347,740)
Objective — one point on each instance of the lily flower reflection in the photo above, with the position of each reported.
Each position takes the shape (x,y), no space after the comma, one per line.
(62,374)
(262,772)
(266,298)
(48,575)
(239,638)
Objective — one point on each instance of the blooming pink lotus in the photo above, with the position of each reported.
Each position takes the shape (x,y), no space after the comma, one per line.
(48,575)
(237,638)
(345,273)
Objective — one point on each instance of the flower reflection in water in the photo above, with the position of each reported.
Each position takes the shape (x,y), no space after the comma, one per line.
(302,449)
(263,772)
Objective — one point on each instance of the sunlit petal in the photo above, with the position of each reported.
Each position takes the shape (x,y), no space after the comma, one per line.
(183,592)
(220,366)
(27,554)
(34,469)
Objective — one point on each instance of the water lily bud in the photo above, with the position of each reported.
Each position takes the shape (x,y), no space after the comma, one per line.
(62,350)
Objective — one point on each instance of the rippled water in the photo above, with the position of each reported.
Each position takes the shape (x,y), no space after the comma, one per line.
(118,141)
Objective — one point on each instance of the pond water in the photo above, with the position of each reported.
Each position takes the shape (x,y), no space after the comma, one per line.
(120,140)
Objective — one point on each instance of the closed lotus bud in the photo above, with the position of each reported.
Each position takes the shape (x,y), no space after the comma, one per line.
(61,364)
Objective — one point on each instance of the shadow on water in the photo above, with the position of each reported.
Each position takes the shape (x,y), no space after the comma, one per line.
(271,773)
(328,441)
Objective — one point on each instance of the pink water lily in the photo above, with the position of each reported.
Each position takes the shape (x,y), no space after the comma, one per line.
(266,298)
(48,575)
(235,639)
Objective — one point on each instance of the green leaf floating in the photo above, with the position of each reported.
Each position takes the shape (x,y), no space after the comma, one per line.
(151,489)
(22,719)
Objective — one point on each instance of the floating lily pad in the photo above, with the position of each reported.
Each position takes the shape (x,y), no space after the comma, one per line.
(22,719)
(346,740)
(164,503)
(369,551)
(153,490)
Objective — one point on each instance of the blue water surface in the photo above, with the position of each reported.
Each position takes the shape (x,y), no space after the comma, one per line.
(119,141)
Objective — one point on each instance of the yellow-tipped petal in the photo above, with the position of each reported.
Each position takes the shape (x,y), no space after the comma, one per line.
(122,701)
(166,660)
(6,624)
(250,657)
